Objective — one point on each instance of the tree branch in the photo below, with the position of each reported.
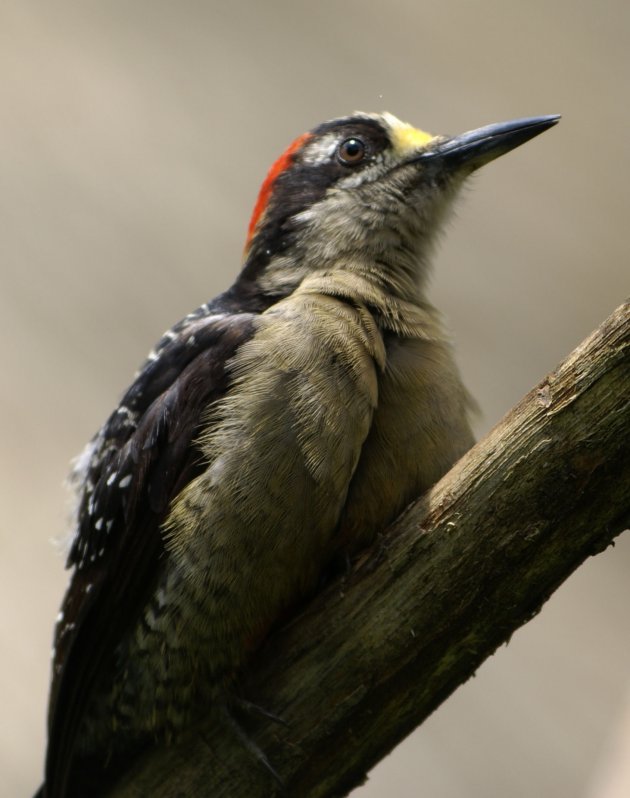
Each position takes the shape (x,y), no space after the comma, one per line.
(374,654)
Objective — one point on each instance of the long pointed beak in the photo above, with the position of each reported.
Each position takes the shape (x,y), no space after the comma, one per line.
(478,147)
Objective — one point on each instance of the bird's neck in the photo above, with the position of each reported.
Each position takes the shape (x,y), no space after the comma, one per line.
(405,313)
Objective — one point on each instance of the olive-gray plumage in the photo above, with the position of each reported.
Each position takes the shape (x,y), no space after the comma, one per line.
(285,422)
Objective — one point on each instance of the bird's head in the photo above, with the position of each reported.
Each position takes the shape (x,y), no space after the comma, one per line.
(365,188)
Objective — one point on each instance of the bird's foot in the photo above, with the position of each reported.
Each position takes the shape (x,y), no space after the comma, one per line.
(255,709)
(250,745)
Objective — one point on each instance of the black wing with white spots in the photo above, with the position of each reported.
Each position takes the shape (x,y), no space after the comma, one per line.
(149,424)
(129,474)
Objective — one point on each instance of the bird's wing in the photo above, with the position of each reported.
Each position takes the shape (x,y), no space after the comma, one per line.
(140,460)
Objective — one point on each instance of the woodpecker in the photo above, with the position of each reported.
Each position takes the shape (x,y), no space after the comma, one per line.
(278,426)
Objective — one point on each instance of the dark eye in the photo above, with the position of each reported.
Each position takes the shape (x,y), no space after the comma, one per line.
(351,151)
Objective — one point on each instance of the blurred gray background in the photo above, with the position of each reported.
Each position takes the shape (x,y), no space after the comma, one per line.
(133,139)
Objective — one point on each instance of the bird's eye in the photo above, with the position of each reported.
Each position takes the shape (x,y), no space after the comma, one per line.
(351,151)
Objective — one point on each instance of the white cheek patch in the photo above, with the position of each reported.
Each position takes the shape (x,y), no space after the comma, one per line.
(380,165)
(320,151)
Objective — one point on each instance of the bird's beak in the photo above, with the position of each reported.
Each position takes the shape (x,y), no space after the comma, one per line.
(478,147)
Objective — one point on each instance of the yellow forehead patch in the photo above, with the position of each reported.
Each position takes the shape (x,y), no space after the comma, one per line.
(405,137)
